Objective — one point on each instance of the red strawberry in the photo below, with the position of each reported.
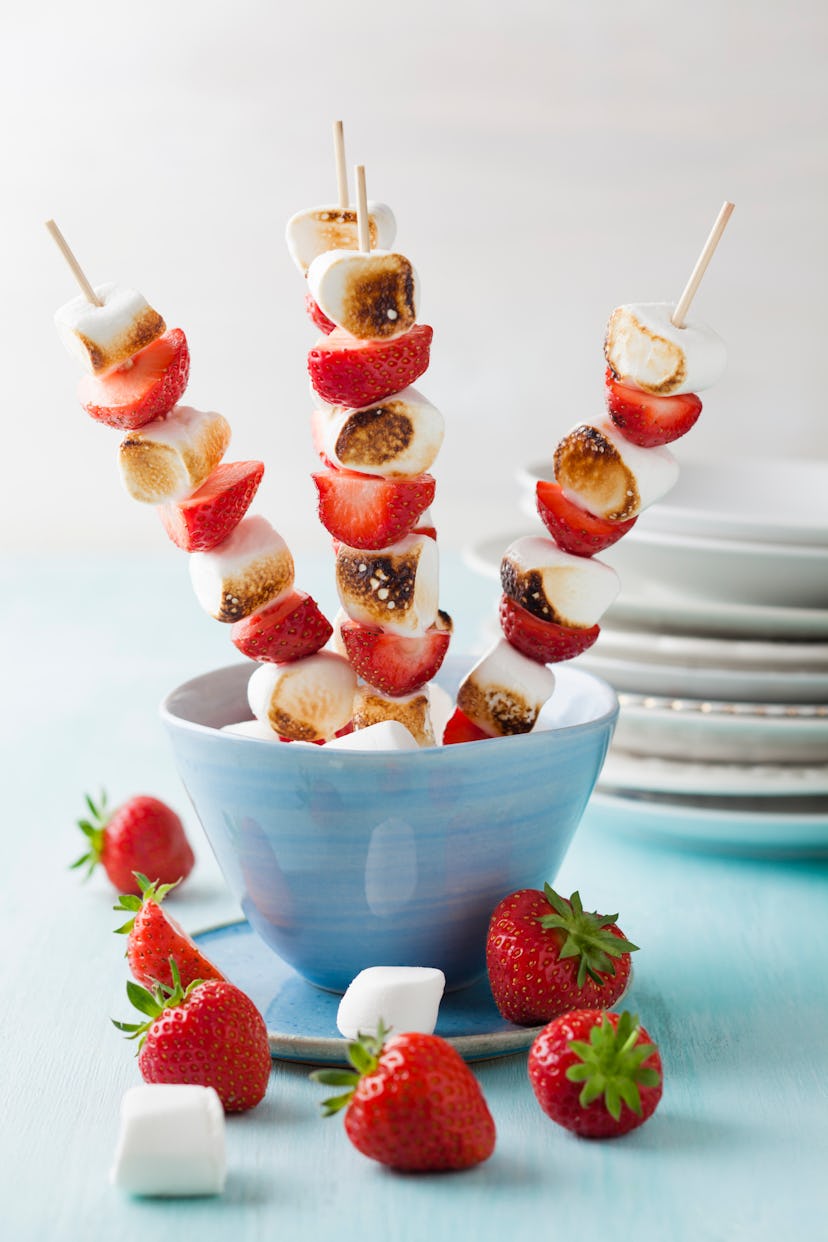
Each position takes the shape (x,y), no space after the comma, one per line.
(544,641)
(129,397)
(598,1074)
(412,1103)
(210,1034)
(345,371)
(366,511)
(461,729)
(142,835)
(288,629)
(323,323)
(574,529)
(202,521)
(394,663)
(546,955)
(155,937)
(647,419)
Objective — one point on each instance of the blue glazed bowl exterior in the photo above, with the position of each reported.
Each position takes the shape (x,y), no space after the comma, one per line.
(342,860)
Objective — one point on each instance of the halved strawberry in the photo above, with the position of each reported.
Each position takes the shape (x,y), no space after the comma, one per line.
(574,529)
(345,371)
(323,323)
(205,519)
(544,641)
(288,629)
(461,729)
(394,663)
(647,419)
(129,397)
(366,511)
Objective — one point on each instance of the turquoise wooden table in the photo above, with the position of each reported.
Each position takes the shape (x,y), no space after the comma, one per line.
(731,981)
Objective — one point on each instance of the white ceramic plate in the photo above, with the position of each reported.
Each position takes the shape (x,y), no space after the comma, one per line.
(767,501)
(647,605)
(689,729)
(630,774)
(773,831)
(737,685)
(701,652)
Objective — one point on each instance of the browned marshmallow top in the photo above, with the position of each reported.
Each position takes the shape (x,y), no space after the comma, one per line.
(587,463)
(378,296)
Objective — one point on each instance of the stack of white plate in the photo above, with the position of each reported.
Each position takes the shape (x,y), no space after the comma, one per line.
(718,648)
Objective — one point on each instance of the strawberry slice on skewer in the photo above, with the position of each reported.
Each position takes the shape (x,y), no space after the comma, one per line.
(460,729)
(289,629)
(346,371)
(368,511)
(394,664)
(205,519)
(647,419)
(543,641)
(574,529)
(316,313)
(129,397)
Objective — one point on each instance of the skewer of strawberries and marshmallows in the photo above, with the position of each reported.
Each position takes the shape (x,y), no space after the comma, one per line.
(606,473)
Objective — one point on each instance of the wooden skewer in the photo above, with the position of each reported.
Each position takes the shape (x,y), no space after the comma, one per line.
(680,313)
(363,232)
(341,169)
(77,271)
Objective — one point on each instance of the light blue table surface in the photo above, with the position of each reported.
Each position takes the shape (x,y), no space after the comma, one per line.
(731,981)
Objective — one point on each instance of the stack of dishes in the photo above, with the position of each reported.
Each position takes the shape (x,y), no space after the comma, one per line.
(718,649)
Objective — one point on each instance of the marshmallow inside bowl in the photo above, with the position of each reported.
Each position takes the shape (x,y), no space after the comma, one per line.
(343,860)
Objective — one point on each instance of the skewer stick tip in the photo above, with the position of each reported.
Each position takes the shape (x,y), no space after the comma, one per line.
(75,267)
(363,231)
(341,168)
(683,305)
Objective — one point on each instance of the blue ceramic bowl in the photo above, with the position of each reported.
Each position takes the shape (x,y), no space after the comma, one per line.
(343,860)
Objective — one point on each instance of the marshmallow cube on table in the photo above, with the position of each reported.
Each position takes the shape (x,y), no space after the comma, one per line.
(315,230)
(370,707)
(169,458)
(403,998)
(604,473)
(252,567)
(398,437)
(645,348)
(304,699)
(104,337)
(371,294)
(504,692)
(396,588)
(171,1141)
(555,586)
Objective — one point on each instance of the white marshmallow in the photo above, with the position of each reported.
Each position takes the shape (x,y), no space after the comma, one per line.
(169,458)
(103,337)
(396,588)
(411,710)
(554,586)
(252,728)
(250,568)
(644,348)
(505,690)
(372,294)
(604,473)
(304,699)
(385,735)
(397,437)
(314,230)
(403,998)
(171,1141)
(441,709)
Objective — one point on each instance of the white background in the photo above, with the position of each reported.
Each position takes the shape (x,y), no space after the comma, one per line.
(545,161)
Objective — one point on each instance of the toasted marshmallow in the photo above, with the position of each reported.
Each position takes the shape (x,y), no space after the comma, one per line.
(403,998)
(169,458)
(252,728)
(505,690)
(554,586)
(103,337)
(644,348)
(410,710)
(304,699)
(397,437)
(171,1141)
(604,473)
(372,294)
(385,735)
(314,230)
(250,568)
(396,588)
(440,708)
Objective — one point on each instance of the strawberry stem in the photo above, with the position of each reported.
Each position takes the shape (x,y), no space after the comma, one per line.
(611,1065)
(586,936)
(363,1054)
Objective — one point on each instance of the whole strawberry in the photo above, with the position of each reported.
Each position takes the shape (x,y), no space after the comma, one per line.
(143,835)
(596,1073)
(155,938)
(412,1103)
(546,955)
(209,1034)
